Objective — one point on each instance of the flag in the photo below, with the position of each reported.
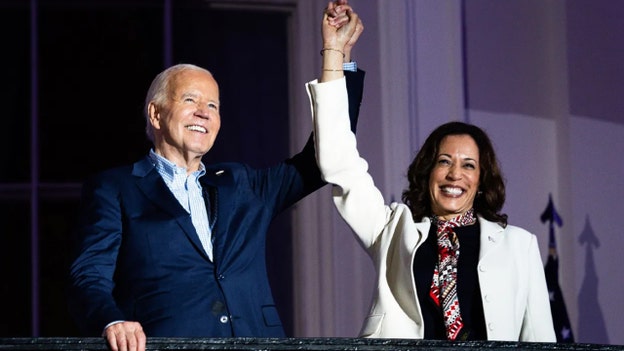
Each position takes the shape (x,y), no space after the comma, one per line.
(561,322)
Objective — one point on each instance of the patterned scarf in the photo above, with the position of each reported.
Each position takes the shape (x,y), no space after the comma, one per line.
(444,285)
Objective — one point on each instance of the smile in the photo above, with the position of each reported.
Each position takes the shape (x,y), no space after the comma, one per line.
(197,128)
(451,190)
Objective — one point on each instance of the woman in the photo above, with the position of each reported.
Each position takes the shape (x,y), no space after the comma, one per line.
(448,264)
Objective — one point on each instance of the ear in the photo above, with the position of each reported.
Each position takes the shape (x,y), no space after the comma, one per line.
(154,115)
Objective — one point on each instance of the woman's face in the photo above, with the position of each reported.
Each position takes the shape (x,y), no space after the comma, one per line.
(454,179)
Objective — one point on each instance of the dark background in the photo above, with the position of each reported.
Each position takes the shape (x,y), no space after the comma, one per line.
(75,74)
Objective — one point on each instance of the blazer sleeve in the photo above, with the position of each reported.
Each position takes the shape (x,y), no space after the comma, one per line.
(355,195)
(355,92)
(98,237)
(288,182)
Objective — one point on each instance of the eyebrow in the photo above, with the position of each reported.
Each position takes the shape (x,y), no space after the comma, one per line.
(193,94)
(464,159)
(189,94)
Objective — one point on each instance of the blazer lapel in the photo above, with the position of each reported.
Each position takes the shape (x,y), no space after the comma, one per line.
(400,272)
(154,188)
(414,241)
(491,235)
(218,186)
(211,199)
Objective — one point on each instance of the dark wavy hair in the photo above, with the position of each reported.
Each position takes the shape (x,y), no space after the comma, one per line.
(491,193)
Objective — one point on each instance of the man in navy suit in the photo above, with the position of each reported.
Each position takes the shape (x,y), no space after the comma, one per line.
(171,247)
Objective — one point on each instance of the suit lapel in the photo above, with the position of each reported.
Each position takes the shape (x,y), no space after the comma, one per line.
(211,198)
(218,186)
(154,188)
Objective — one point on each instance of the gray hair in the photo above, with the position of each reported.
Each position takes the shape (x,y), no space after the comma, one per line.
(158,90)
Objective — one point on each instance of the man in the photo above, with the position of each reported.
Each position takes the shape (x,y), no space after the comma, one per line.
(171,247)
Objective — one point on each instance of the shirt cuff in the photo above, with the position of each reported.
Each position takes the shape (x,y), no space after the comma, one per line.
(109,324)
(349,66)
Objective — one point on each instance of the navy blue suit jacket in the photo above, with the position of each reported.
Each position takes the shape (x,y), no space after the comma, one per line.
(138,256)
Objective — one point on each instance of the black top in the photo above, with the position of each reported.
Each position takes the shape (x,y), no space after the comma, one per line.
(468,291)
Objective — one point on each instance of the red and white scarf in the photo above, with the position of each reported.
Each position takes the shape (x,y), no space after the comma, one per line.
(444,285)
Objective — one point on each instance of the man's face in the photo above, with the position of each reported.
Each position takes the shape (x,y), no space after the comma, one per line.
(187,124)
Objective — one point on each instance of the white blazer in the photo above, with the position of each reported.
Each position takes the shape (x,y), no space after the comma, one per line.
(511,273)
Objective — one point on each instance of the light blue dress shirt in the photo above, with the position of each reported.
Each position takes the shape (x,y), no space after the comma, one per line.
(188,191)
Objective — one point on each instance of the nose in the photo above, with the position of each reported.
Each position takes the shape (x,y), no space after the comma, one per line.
(202,111)
(454,172)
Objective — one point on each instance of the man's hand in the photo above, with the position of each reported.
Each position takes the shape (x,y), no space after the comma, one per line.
(125,336)
(339,25)
(337,16)
(359,28)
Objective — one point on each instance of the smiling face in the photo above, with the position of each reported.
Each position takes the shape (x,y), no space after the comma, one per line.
(186,124)
(454,179)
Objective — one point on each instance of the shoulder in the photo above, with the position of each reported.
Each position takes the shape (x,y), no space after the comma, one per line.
(519,236)
(509,232)
(401,213)
(111,175)
(108,183)
(519,231)
(223,166)
(228,173)
(120,175)
(227,170)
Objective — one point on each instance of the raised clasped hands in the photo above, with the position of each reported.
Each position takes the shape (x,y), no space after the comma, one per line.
(341,27)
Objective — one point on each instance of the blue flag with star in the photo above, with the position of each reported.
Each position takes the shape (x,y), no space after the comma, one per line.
(561,322)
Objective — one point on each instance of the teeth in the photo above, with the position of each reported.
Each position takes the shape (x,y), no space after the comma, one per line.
(452,191)
(197,128)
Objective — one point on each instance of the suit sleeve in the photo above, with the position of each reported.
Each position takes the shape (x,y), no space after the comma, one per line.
(98,237)
(355,91)
(300,174)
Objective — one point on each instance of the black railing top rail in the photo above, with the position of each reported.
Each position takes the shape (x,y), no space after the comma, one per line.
(299,344)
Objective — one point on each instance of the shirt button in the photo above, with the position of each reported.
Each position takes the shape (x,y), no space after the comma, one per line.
(481,268)
(220,277)
(490,326)
(224,319)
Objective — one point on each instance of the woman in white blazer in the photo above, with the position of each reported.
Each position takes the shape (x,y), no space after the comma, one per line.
(491,270)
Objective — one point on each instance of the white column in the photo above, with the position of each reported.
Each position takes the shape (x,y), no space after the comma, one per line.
(436,65)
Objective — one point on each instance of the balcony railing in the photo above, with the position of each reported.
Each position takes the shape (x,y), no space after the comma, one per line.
(299,344)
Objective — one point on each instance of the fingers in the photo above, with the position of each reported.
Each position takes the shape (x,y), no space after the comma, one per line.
(337,14)
(125,336)
(350,24)
(341,27)
(359,28)
(141,339)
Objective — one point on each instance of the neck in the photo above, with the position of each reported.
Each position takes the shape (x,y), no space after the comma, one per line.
(188,161)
